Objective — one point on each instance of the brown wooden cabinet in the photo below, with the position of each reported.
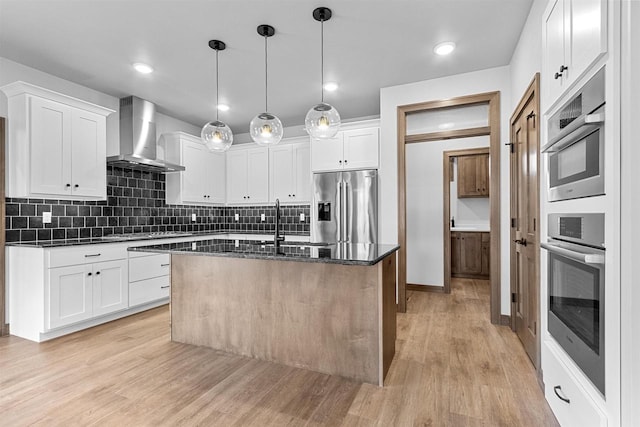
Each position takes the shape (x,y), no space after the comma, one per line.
(473,176)
(470,254)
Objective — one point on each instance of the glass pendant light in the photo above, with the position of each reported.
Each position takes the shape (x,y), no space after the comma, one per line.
(322,120)
(216,135)
(265,128)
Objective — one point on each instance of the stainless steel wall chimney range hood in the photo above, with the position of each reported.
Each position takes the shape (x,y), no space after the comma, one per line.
(138,138)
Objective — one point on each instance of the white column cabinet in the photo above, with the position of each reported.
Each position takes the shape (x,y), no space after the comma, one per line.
(290,172)
(247,175)
(575,34)
(350,149)
(56,145)
(203,180)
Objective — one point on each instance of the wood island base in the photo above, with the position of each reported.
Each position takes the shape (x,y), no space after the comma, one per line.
(331,318)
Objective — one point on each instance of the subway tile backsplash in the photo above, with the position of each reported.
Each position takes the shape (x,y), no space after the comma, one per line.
(136,203)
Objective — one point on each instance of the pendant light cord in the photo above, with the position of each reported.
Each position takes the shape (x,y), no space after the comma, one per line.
(266,71)
(322,57)
(217,87)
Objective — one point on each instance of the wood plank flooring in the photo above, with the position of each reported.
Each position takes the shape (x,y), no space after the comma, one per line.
(452,368)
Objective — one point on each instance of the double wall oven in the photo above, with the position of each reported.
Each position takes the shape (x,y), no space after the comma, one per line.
(575,243)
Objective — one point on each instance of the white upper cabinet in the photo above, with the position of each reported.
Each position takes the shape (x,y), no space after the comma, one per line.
(349,150)
(248,175)
(290,171)
(203,180)
(575,34)
(56,146)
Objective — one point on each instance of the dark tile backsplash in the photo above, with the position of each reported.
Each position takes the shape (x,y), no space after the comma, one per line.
(136,203)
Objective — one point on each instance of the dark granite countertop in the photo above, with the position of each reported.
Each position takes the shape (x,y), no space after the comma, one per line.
(351,254)
(130,238)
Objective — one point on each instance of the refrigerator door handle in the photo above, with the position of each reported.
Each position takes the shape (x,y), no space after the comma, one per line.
(340,212)
(347,211)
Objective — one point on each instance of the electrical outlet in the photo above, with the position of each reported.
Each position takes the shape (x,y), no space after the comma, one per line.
(262,218)
(194,217)
(237,217)
(194,246)
(302,217)
(46,217)
(237,242)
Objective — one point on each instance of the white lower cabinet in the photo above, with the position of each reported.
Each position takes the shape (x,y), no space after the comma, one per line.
(70,295)
(80,292)
(569,401)
(149,278)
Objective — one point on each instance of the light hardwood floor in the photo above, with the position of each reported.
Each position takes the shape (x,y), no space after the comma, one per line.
(452,368)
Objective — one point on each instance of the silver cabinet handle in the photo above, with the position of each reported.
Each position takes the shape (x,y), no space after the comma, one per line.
(92,255)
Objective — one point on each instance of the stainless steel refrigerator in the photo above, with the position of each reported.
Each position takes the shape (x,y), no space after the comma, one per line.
(345,207)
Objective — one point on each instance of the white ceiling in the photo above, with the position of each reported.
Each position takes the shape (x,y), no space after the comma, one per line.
(369,44)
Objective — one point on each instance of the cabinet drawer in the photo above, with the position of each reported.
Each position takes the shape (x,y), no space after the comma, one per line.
(149,290)
(61,257)
(142,268)
(581,409)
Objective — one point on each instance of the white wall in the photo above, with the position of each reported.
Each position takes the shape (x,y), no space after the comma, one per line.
(425,258)
(527,57)
(493,79)
(11,71)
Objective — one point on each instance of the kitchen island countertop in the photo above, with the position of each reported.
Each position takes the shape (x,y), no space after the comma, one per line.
(342,253)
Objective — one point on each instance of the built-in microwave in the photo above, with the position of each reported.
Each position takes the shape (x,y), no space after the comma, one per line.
(576,144)
(576,290)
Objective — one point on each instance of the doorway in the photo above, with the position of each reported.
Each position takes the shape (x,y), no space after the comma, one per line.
(491,128)
(525,211)
(467,202)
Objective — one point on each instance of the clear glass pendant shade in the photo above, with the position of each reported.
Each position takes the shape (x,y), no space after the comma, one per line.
(266,129)
(322,121)
(217,136)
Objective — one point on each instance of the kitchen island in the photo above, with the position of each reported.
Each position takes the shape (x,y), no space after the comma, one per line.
(329,308)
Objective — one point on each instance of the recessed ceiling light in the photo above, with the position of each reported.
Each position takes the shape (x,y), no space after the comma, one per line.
(143,68)
(444,48)
(223,107)
(331,86)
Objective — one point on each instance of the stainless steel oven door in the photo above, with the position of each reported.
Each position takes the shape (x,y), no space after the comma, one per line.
(576,305)
(576,166)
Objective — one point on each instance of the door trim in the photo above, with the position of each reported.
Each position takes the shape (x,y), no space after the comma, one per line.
(493,100)
(532,93)
(447,156)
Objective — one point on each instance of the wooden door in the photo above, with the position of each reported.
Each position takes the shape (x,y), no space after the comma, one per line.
(473,175)
(455,253)
(525,240)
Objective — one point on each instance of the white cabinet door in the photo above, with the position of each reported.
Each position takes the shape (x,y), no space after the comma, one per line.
(588,35)
(50,148)
(215,172)
(281,174)
(193,157)
(361,149)
(302,173)
(326,154)
(70,295)
(110,287)
(258,175)
(237,175)
(554,49)
(88,154)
